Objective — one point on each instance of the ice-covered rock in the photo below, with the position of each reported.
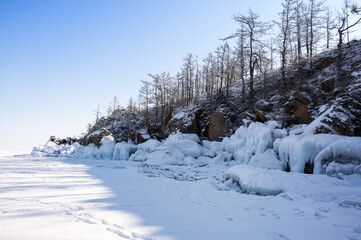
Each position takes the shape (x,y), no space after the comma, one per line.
(233,143)
(149,145)
(298,150)
(139,156)
(90,151)
(123,150)
(267,159)
(107,147)
(186,143)
(259,138)
(165,155)
(183,136)
(334,169)
(345,147)
(261,181)
(54,150)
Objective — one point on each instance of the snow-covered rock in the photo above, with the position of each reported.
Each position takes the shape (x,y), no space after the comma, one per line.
(348,148)
(267,159)
(165,155)
(299,150)
(123,150)
(107,147)
(259,138)
(149,145)
(261,181)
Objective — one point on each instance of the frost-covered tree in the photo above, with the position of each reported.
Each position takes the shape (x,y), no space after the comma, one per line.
(145,98)
(342,29)
(254,30)
(284,35)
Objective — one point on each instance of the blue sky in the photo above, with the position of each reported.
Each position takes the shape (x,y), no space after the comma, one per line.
(60,59)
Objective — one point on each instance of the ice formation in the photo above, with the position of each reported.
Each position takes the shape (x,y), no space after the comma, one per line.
(107,147)
(123,150)
(259,145)
(345,147)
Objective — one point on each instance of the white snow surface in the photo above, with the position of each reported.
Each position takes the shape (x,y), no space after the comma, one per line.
(75,198)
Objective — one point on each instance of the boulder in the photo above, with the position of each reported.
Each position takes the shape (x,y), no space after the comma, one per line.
(260,117)
(142,136)
(188,124)
(217,127)
(328,85)
(336,120)
(249,116)
(165,122)
(96,137)
(302,115)
(299,108)
(264,106)
(131,135)
(303,98)
(154,132)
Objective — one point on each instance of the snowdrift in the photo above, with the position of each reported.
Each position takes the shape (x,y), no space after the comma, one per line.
(265,182)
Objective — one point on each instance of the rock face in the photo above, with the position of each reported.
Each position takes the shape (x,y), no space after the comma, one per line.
(141,136)
(300,105)
(302,114)
(96,137)
(131,135)
(187,123)
(154,132)
(260,117)
(328,85)
(165,122)
(217,127)
(335,120)
(264,106)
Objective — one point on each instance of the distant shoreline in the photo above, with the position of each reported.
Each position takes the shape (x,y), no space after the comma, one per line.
(4,153)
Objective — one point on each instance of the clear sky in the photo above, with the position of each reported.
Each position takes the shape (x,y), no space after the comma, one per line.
(60,59)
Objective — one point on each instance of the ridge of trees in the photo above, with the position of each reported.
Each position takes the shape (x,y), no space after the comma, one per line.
(304,27)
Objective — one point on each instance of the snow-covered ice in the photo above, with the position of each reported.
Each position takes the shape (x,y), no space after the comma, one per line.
(75,198)
(182,188)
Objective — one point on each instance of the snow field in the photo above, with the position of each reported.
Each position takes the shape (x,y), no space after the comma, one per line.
(75,198)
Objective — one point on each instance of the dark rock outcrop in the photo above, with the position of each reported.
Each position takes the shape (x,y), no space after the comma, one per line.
(336,120)
(260,117)
(328,85)
(165,122)
(96,137)
(298,107)
(217,127)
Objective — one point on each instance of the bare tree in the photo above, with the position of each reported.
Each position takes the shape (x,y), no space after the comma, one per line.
(330,25)
(145,93)
(254,29)
(343,18)
(97,114)
(241,60)
(284,36)
(299,20)
(315,9)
